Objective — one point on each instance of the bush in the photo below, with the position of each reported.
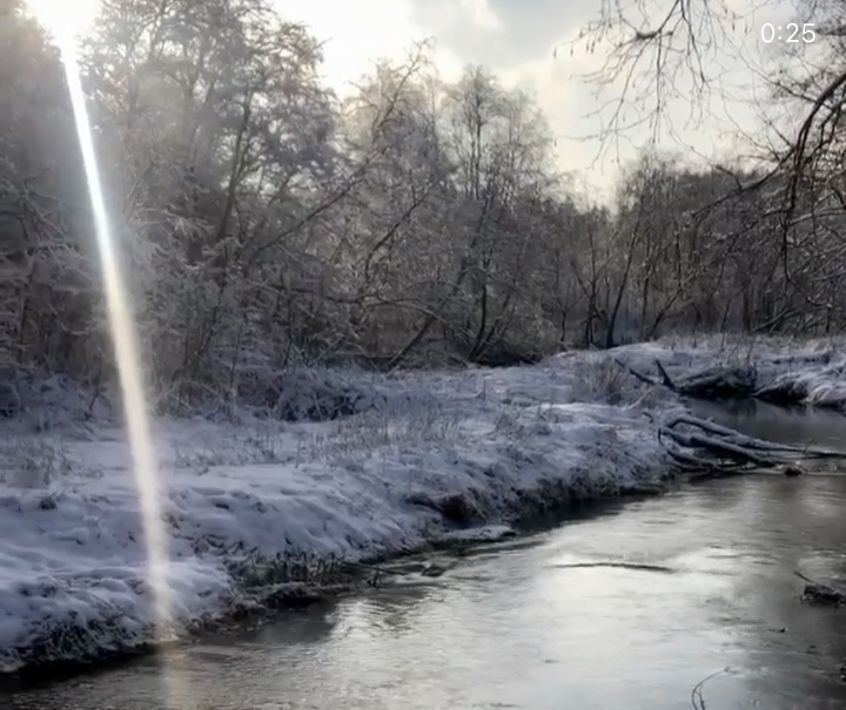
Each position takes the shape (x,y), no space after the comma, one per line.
(316,395)
(32,464)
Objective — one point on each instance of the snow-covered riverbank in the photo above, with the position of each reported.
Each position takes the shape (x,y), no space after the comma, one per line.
(808,372)
(414,459)
(427,455)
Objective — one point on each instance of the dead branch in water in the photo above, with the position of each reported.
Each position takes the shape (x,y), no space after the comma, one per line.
(705,449)
(751,443)
(819,593)
(708,450)
(664,376)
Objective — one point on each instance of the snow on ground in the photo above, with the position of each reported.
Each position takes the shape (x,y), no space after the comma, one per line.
(424,457)
(811,372)
(414,459)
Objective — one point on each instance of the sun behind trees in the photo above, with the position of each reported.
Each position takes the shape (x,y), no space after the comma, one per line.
(265,223)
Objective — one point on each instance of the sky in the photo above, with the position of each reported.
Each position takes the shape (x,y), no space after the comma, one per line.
(517,39)
(514,38)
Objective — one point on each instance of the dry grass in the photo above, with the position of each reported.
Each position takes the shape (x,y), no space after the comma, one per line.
(235,448)
(350,437)
(422,425)
(603,380)
(357,437)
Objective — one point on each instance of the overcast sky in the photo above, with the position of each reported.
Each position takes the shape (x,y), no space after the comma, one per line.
(515,38)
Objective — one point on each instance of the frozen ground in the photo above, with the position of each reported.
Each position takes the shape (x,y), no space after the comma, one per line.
(417,458)
(251,502)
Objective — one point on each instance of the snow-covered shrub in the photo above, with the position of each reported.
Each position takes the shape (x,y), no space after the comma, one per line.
(36,402)
(26,463)
(311,394)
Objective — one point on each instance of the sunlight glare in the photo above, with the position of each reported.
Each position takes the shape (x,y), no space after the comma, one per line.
(64,21)
(66,17)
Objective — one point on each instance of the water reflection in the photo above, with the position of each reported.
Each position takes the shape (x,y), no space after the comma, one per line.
(798,425)
(526,625)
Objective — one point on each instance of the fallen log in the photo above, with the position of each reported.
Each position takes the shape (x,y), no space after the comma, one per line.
(713,383)
(707,450)
(722,449)
(706,425)
(719,383)
(783,392)
(634,373)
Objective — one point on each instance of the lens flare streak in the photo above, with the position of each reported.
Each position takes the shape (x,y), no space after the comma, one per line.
(125,346)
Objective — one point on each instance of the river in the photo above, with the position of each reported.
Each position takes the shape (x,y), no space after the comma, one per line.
(625,606)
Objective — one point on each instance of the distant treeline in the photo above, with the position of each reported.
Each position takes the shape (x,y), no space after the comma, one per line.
(264,223)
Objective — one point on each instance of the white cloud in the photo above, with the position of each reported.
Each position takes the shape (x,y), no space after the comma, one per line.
(357,34)
(555,82)
(574,111)
(481,14)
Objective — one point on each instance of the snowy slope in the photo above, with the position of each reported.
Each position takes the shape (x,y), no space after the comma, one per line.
(432,454)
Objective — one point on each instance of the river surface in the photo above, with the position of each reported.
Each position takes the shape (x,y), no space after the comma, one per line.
(627,607)
(798,425)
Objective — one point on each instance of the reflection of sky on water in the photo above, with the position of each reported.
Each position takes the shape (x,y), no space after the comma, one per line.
(513,628)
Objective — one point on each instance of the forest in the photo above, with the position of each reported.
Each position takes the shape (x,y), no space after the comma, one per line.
(266,223)
(366,395)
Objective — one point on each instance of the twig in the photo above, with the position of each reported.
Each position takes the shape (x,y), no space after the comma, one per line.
(640,376)
(697,699)
(664,376)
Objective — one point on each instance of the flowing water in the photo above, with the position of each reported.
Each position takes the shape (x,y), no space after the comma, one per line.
(628,607)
